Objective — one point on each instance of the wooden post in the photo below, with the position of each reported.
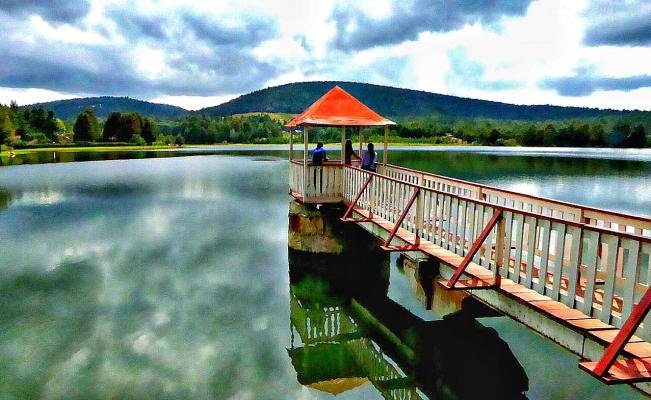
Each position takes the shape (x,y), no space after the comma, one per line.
(291,144)
(305,177)
(386,145)
(419,215)
(500,242)
(495,219)
(361,139)
(343,144)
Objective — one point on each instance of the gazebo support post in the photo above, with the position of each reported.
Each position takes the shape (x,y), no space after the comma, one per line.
(361,140)
(386,145)
(305,175)
(343,144)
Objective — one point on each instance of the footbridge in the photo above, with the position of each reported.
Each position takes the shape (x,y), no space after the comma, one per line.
(578,275)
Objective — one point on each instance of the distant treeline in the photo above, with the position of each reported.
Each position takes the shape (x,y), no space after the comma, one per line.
(35,125)
(39,127)
(602,132)
(268,128)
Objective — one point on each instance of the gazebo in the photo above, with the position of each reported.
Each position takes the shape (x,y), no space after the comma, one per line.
(336,108)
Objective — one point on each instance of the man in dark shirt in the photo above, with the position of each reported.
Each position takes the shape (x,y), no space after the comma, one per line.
(319,155)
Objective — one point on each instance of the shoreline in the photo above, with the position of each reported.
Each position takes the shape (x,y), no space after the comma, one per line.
(632,154)
(284,146)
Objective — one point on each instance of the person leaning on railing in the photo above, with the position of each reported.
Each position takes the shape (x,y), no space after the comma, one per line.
(349,153)
(369,161)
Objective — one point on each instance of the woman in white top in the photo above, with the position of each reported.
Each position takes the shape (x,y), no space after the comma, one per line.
(369,161)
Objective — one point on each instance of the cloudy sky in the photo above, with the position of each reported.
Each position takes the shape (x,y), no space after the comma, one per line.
(201,53)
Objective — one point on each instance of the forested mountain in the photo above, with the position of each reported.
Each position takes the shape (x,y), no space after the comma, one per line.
(398,103)
(293,98)
(103,106)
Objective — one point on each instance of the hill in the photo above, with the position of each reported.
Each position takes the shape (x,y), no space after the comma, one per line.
(103,106)
(398,103)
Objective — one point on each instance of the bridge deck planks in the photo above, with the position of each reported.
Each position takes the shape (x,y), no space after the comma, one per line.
(629,371)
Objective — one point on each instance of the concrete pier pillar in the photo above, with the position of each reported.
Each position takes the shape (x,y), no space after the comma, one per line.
(314,231)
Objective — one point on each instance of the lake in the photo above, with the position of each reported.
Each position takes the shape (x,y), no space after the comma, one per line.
(169,277)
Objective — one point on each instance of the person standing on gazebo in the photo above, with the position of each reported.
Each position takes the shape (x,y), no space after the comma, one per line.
(369,161)
(349,153)
(318,157)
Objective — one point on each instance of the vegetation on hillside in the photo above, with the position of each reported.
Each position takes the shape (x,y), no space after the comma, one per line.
(400,104)
(103,106)
(259,117)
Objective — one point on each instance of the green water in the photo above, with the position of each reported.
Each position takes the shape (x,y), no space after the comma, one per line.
(169,277)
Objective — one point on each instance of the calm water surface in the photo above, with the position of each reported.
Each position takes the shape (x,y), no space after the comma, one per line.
(169,277)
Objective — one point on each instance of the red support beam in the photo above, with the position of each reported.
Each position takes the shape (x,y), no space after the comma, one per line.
(625,333)
(346,216)
(497,216)
(402,217)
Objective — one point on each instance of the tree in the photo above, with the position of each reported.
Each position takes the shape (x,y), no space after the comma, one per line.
(618,136)
(637,138)
(131,125)
(112,127)
(6,126)
(149,131)
(85,129)
(549,134)
(493,135)
(138,140)
(597,136)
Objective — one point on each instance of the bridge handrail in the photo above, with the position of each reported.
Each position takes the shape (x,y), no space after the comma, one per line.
(584,213)
(593,216)
(550,218)
(582,264)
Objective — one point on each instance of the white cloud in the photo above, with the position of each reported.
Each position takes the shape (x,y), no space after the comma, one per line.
(193,102)
(30,96)
(292,40)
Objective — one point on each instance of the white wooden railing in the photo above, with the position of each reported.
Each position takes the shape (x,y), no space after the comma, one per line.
(520,201)
(324,182)
(601,269)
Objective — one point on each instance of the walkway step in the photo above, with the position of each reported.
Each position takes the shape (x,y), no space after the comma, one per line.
(469,284)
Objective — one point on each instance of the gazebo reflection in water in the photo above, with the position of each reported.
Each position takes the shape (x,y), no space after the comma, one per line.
(346,332)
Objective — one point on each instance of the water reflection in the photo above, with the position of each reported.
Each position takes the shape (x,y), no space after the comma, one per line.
(168,278)
(347,332)
(146,279)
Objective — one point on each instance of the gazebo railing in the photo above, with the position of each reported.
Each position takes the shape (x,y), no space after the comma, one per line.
(324,182)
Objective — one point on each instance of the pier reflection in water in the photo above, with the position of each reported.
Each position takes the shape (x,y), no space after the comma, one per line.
(347,332)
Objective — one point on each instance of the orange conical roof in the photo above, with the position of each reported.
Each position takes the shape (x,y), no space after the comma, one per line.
(339,108)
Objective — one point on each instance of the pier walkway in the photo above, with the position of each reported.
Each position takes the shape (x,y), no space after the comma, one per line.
(595,263)
(578,275)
